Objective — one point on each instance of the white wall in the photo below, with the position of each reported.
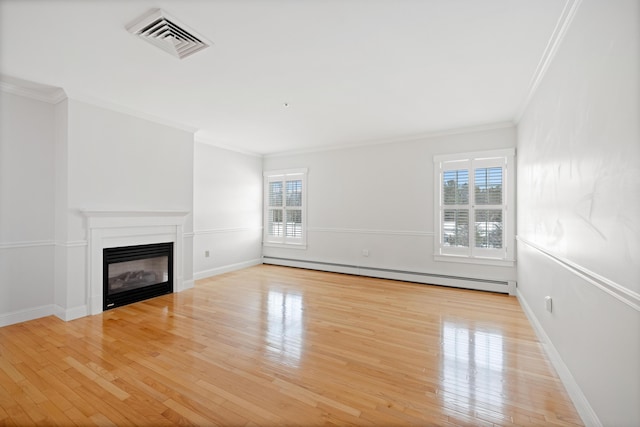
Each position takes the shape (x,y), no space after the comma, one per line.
(578,209)
(115,161)
(61,183)
(26,208)
(381,198)
(57,160)
(227,210)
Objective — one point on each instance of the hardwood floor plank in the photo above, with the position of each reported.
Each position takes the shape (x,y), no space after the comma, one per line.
(314,399)
(54,416)
(244,403)
(10,371)
(192,416)
(98,380)
(102,420)
(18,416)
(280,346)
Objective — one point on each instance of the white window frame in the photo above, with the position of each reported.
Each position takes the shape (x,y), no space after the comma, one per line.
(471,161)
(284,176)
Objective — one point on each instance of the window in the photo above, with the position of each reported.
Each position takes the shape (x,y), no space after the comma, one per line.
(474,217)
(285,208)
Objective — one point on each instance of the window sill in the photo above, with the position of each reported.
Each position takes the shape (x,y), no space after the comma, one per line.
(475,260)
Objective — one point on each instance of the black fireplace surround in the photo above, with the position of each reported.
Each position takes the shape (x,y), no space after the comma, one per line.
(135,273)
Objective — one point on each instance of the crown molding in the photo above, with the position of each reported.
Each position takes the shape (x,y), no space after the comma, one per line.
(400,139)
(130,112)
(56,95)
(51,96)
(558,34)
(203,140)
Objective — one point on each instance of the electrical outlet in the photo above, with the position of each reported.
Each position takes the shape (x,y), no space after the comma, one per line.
(206,254)
(548,303)
(365,252)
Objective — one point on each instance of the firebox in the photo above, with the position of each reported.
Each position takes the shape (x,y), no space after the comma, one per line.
(136,273)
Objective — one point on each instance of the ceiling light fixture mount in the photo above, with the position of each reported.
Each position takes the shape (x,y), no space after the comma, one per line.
(164,31)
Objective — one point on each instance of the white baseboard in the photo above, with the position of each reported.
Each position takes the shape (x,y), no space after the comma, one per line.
(480,284)
(226,268)
(20,316)
(186,284)
(71,313)
(586,412)
(325,266)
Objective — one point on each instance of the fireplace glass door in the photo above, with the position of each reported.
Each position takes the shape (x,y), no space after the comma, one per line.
(134,273)
(128,275)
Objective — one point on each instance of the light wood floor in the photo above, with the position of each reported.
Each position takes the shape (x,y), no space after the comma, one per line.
(278,346)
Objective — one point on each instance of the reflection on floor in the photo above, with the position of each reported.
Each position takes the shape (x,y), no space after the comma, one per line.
(280,346)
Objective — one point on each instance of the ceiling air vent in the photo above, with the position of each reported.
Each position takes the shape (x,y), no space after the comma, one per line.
(161,29)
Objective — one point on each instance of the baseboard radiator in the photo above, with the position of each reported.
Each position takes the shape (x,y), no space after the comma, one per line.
(505,287)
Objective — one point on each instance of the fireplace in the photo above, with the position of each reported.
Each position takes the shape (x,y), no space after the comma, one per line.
(136,273)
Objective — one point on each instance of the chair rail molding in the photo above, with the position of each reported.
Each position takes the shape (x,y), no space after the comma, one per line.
(616,290)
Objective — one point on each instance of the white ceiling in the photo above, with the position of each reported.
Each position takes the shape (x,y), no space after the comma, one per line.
(352,71)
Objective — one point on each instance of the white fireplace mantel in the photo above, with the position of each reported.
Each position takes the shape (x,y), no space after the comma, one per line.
(110,229)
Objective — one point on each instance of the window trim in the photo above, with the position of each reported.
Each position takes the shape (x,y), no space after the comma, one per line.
(284,242)
(475,160)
